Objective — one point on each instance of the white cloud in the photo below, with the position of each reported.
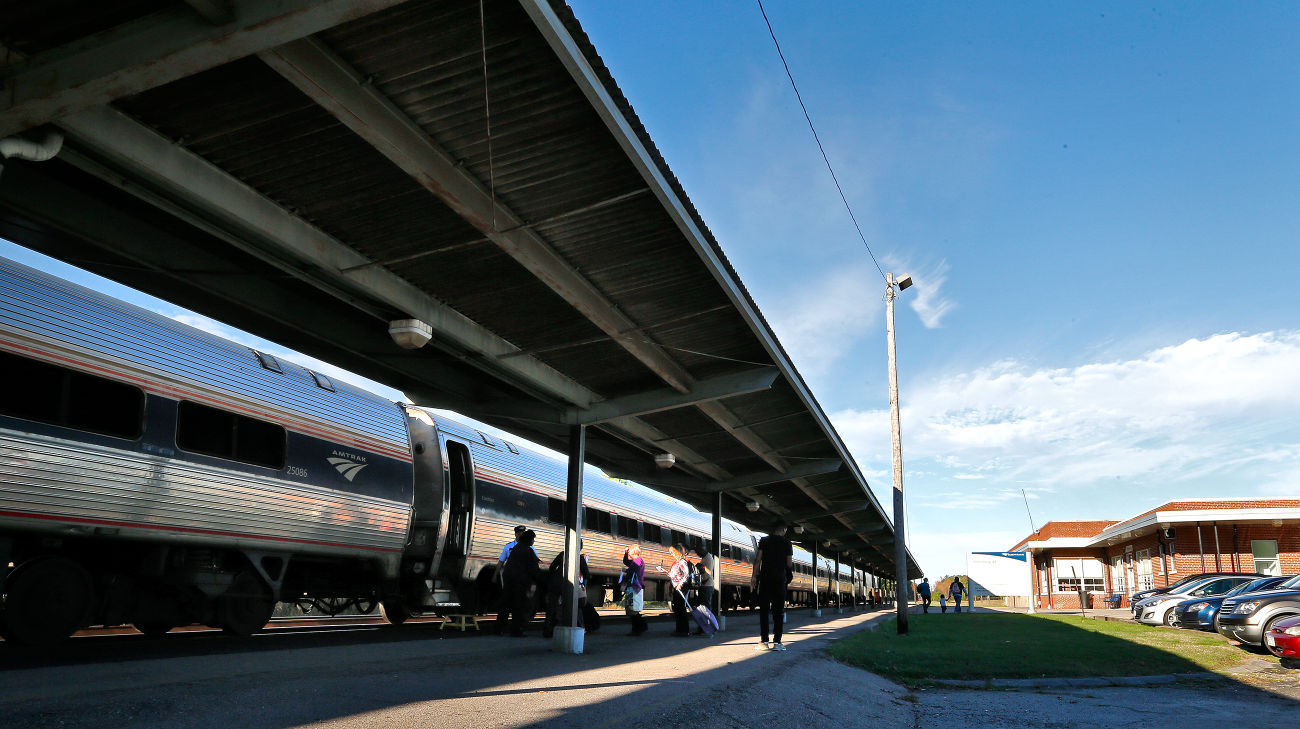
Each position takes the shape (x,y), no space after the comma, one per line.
(926,297)
(1223,407)
(824,320)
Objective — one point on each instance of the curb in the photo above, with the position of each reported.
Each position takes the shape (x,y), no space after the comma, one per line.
(1076,682)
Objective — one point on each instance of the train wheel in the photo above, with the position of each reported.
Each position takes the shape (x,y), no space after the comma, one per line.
(46,600)
(245,607)
(394,611)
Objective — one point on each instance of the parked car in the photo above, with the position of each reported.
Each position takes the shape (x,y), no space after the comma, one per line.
(1141,595)
(1200,612)
(1159,609)
(1284,639)
(1248,618)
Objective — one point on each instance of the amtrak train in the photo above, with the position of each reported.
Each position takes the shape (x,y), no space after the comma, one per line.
(157,475)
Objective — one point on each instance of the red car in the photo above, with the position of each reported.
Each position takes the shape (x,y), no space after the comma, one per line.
(1284,638)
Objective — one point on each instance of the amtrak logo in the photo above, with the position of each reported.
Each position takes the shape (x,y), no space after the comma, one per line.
(347,464)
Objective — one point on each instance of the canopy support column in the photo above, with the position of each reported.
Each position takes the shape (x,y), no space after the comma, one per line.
(816,605)
(568,636)
(715,561)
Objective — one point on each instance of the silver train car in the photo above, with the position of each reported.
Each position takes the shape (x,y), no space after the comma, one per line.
(157,475)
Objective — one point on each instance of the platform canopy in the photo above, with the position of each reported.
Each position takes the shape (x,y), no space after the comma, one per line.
(312,170)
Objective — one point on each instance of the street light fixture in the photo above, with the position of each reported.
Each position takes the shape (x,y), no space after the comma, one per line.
(901,591)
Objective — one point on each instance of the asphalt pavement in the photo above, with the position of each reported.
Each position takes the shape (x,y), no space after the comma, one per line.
(428,680)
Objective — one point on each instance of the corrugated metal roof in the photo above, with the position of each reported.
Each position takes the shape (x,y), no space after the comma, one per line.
(567,261)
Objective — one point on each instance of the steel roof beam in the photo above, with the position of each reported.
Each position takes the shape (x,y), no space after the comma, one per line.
(159,48)
(825,536)
(642,403)
(216,12)
(805,514)
(338,88)
(671,480)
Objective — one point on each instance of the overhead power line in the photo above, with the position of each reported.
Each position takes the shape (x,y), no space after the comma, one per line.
(818,139)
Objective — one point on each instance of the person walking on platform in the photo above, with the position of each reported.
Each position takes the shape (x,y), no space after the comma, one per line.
(958,590)
(678,575)
(634,589)
(522,573)
(704,594)
(773,566)
(923,590)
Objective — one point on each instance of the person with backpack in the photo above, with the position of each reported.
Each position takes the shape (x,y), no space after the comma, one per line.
(702,583)
(957,591)
(633,586)
(678,575)
(773,567)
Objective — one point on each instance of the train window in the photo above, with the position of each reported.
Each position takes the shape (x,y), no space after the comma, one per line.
(322,381)
(487,439)
(511,447)
(554,510)
(677,538)
(220,433)
(652,533)
(267,361)
(60,396)
(596,520)
(627,528)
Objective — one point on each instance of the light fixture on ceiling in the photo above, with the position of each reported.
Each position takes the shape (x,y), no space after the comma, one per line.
(798,528)
(752,505)
(410,333)
(665,460)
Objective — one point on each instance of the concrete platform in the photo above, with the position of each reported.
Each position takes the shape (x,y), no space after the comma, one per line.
(652,681)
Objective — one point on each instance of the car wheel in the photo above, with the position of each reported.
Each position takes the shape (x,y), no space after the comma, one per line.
(1169,618)
(1268,628)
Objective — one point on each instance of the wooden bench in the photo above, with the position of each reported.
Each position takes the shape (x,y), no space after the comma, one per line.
(459,621)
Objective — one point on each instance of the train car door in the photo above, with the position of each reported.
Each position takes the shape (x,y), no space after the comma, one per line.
(459,506)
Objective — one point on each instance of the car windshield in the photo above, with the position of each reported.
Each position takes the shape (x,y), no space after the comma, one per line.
(1250,587)
(1291,583)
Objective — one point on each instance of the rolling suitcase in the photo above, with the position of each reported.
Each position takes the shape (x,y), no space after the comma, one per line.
(703,616)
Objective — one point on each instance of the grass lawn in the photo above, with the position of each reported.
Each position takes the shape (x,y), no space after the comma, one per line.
(983,646)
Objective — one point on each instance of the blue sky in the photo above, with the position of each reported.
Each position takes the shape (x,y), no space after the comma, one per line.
(1099,204)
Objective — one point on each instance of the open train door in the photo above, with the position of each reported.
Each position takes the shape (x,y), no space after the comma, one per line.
(459,510)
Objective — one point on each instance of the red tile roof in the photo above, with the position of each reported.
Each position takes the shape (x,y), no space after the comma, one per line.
(1065,529)
(1240,504)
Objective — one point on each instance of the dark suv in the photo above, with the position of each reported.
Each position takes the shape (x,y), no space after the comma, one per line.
(1249,617)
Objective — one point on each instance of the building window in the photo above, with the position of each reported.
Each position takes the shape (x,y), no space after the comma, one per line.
(220,433)
(1265,554)
(1142,563)
(1117,574)
(1072,574)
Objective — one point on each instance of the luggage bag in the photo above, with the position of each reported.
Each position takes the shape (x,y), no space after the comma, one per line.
(703,616)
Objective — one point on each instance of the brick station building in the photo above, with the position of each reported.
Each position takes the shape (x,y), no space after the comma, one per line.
(1160,547)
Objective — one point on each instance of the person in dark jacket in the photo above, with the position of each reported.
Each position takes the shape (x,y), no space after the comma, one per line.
(556,597)
(522,573)
(772,569)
